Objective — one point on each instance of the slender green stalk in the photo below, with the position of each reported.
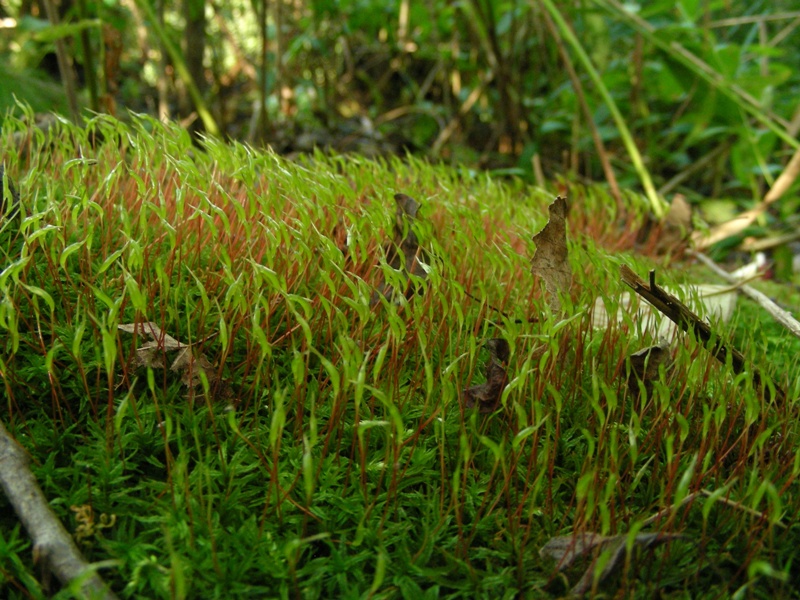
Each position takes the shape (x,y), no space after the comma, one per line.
(64,65)
(657,205)
(182,70)
(88,59)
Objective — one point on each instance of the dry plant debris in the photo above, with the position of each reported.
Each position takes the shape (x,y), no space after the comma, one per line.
(403,253)
(671,234)
(782,316)
(551,260)
(53,547)
(88,528)
(565,550)
(677,226)
(723,231)
(486,396)
(685,319)
(645,364)
(187,362)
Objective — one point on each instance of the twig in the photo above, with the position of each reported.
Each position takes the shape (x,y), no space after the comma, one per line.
(776,312)
(735,286)
(679,313)
(770,242)
(52,544)
(739,223)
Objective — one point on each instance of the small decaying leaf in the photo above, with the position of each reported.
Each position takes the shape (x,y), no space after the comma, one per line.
(645,364)
(551,259)
(487,395)
(404,253)
(153,354)
(8,201)
(679,215)
(671,235)
(565,550)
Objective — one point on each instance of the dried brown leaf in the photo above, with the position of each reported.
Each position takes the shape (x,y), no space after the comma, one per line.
(645,364)
(404,252)
(153,354)
(565,550)
(670,235)
(677,226)
(487,395)
(679,214)
(165,341)
(551,259)
(191,368)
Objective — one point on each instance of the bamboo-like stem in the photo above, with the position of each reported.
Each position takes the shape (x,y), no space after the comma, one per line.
(657,205)
(180,67)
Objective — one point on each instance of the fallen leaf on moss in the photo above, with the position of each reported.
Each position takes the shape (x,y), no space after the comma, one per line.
(565,550)
(645,364)
(551,260)
(154,354)
(403,254)
(671,234)
(487,395)
(190,367)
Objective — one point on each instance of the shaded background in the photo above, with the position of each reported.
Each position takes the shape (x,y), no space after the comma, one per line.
(705,92)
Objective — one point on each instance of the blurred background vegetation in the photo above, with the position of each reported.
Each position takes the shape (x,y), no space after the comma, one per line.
(696,96)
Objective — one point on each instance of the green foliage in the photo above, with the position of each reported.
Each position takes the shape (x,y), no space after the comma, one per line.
(325,452)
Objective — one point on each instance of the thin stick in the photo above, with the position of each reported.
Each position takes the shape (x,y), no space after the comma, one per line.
(52,544)
(679,313)
(776,312)
(739,223)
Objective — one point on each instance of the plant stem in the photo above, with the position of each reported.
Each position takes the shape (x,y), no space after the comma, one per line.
(657,205)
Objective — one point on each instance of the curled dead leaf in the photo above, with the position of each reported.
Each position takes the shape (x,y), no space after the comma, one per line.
(188,363)
(487,395)
(551,259)
(403,254)
(645,365)
(565,550)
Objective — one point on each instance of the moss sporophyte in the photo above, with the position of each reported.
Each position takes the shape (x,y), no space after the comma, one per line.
(334,376)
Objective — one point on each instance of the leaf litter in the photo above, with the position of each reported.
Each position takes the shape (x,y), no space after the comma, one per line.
(486,396)
(189,363)
(645,365)
(403,253)
(567,549)
(551,259)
